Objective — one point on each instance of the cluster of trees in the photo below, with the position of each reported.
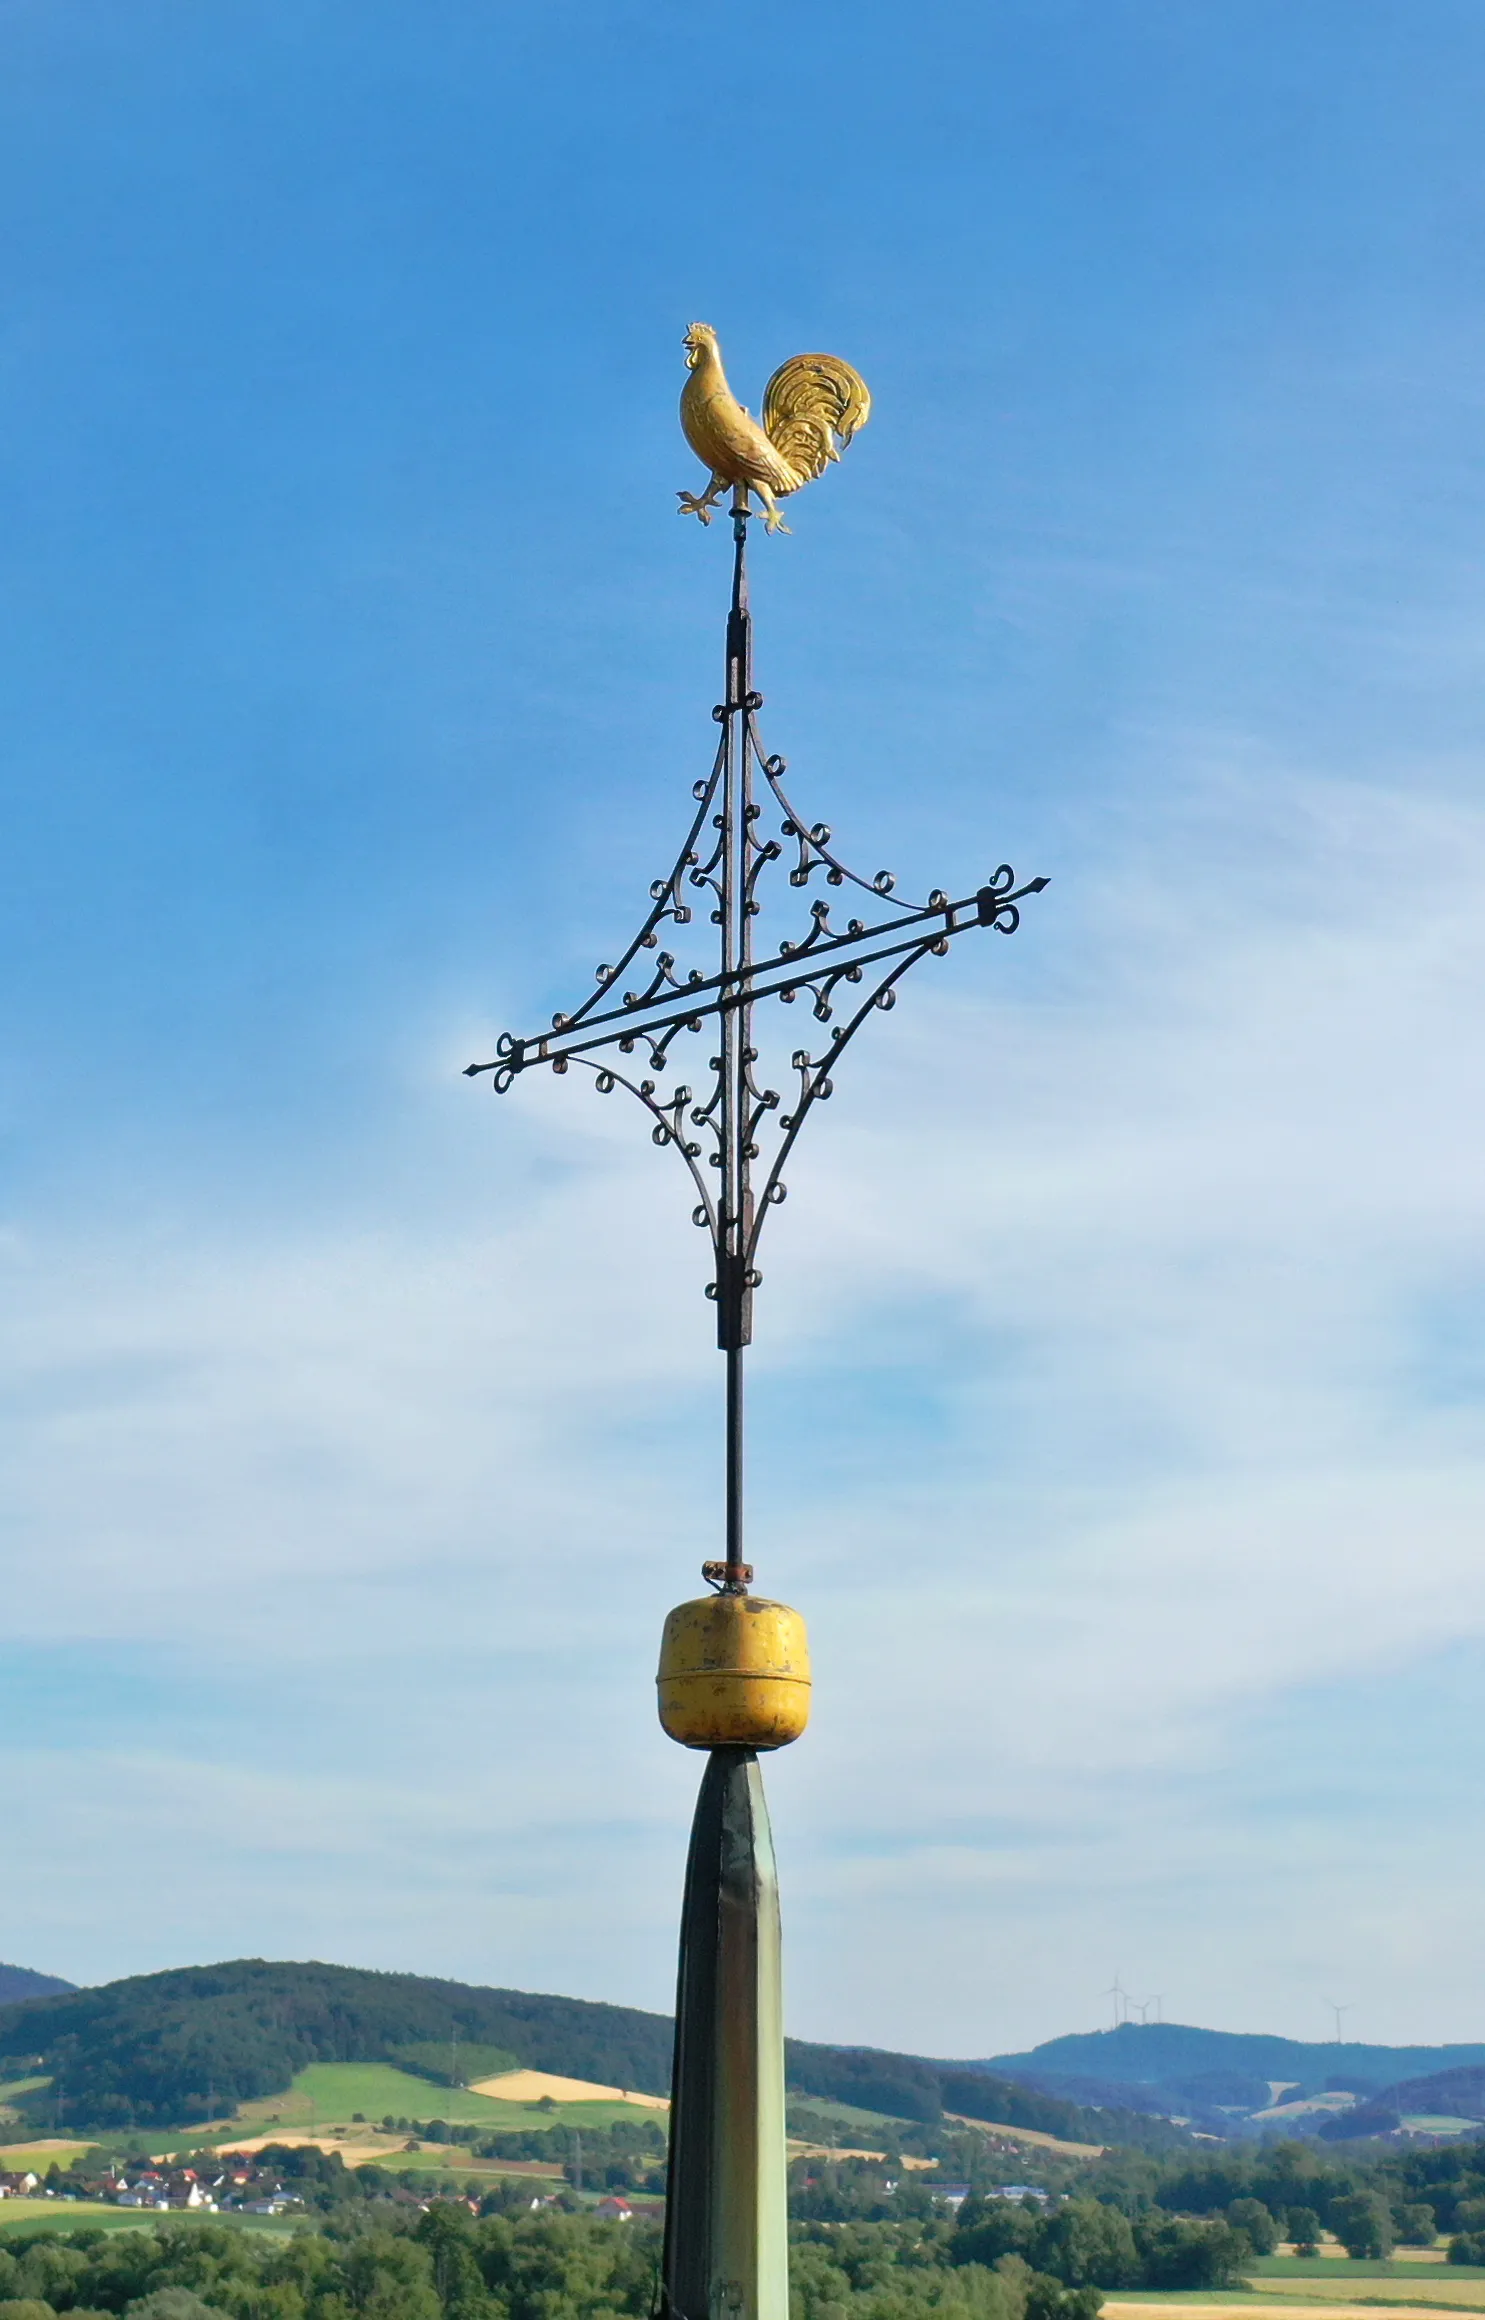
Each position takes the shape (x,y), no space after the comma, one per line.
(447,2265)
(1371,2203)
(1468,2244)
(1182,2222)
(885,2271)
(1077,2243)
(1096,2242)
(164,2049)
(1085,2244)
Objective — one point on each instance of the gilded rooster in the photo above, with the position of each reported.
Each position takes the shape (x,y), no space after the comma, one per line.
(808,403)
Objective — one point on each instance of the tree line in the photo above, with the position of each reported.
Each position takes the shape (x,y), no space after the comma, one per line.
(448,2265)
(1372,2201)
(1134,2220)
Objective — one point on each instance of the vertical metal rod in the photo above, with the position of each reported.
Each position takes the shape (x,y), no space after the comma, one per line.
(738,1570)
(734,1293)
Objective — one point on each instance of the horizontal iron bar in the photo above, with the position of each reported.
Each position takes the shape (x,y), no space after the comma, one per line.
(794,972)
(829,942)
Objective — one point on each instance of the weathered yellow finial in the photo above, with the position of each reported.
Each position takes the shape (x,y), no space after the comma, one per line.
(734,1673)
(809,403)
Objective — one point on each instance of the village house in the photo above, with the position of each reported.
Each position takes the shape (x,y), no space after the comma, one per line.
(149,2187)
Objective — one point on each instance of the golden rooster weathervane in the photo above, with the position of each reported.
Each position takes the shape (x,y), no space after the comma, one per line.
(809,403)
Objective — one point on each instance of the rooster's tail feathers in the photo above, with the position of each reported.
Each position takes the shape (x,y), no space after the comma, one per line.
(808,402)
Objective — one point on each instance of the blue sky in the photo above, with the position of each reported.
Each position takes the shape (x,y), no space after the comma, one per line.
(1119,1407)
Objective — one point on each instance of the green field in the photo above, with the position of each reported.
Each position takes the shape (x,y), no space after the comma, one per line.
(17,2157)
(1329,2286)
(1371,2291)
(1453,2287)
(1338,2275)
(9,2115)
(849,2116)
(329,2094)
(453,2162)
(66,2215)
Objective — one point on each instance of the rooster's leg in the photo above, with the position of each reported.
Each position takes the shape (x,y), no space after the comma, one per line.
(773,520)
(702,505)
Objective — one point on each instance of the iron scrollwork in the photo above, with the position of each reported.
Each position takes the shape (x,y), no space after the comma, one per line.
(737,1127)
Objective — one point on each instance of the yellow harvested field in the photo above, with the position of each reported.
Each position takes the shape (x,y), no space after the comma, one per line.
(354,2154)
(385,2150)
(798,2150)
(525,2086)
(1030,2135)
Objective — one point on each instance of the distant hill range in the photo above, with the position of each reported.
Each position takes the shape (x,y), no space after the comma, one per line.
(1226,2081)
(168,2049)
(17,1983)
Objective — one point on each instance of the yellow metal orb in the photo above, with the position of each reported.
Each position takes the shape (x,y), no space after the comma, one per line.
(734,1673)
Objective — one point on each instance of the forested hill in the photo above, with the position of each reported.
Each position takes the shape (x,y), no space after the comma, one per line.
(166,2049)
(906,2086)
(18,1982)
(1159,2053)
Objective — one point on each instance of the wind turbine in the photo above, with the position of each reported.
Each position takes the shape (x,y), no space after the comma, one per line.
(1338,2011)
(1120,1997)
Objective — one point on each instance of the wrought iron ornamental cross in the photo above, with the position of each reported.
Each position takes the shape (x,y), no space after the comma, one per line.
(734,1128)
